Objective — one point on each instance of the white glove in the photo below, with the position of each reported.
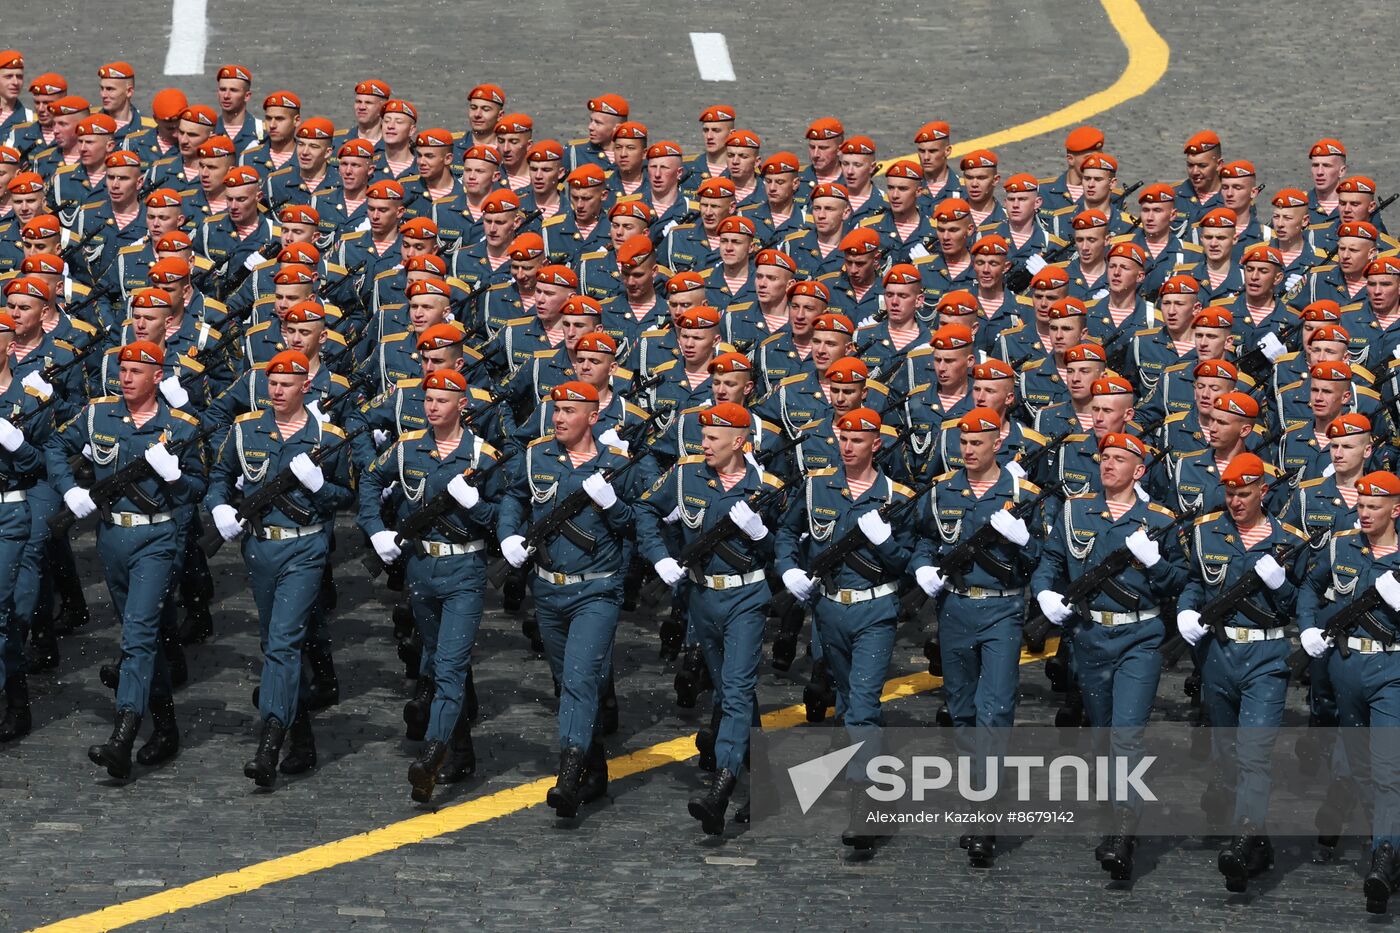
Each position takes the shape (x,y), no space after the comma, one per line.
(238,483)
(1035,263)
(1313,642)
(753,461)
(381,437)
(748,521)
(600,491)
(672,516)
(798,584)
(1147,551)
(669,571)
(1389,588)
(876,530)
(227,521)
(11,437)
(867,321)
(386,545)
(1011,528)
(464,492)
(1270,571)
(1292,281)
(38,383)
(610,438)
(175,394)
(87,454)
(1272,347)
(513,549)
(1188,623)
(166,464)
(315,410)
(1053,605)
(1101,293)
(307,473)
(1015,469)
(930,580)
(79,502)
(254,260)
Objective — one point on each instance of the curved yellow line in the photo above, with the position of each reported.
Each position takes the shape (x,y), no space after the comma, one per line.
(1148,55)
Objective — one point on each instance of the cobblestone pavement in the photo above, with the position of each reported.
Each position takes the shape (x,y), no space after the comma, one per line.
(76,842)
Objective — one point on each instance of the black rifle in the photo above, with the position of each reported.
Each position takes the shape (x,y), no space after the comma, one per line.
(106,491)
(1237,597)
(718,540)
(829,561)
(1102,577)
(415,526)
(659,234)
(1355,614)
(228,284)
(974,550)
(1118,199)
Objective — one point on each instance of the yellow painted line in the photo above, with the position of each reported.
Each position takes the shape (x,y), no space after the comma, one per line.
(1148,55)
(431,825)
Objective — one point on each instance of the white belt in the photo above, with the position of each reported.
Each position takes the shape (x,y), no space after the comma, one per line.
(847,597)
(982,592)
(1242,635)
(568,579)
(136,519)
(280,533)
(1122,618)
(447,549)
(726,581)
(18,495)
(1370,646)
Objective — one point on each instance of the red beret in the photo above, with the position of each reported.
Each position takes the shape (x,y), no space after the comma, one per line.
(730,362)
(848,370)
(826,128)
(1262,252)
(285,99)
(586,176)
(859,419)
(316,128)
(546,150)
(634,251)
(979,420)
(700,317)
(402,106)
(1238,403)
(1220,217)
(836,323)
(514,123)
(1204,141)
(958,301)
(289,363)
(240,175)
(858,145)
(611,104)
(831,189)
(726,415)
(235,73)
(993,369)
(664,149)
(1244,470)
(1122,441)
(29,286)
(978,158)
(932,132)
(743,139)
(718,113)
(1216,369)
(1349,424)
(385,190)
(1379,483)
(357,149)
(904,168)
(860,241)
(1331,371)
(373,87)
(952,337)
(294,273)
(1051,277)
(439,336)
(684,282)
(488,92)
(168,270)
(735,223)
(596,342)
(775,257)
(1083,139)
(810,288)
(308,254)
(299,214)
(582,306)
(950,209)
(142,351)
(1327,146)
(553,274)
(445,380)
(46,263)
(1086,353)
(432,287)
(1157,193)
(152,298)
(1290,197)
(1101,161)
(501,201)
(574,392)
(1129,250)
(526,246)
(902,273)
(716,188)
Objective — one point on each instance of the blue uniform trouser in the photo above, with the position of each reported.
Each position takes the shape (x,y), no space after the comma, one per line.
(729,626)
(1243,686)
(139,564)
(980,641)
(44,501)
(286,580)
(857,642)
(578,622)
(1118,668)
(14,533)
(446,594)
(1368,701)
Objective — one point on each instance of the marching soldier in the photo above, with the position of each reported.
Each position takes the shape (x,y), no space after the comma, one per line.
(140,549)
(287,546)
(728,597)
(1118,630)
(1244,662)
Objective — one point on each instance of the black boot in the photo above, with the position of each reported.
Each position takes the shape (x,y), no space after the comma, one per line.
(1381,880)
(1337,807)
(530,628)
(1118,861)
(1248,854)
(1216,801)
(632,586)
(709,807)
(115,756)
(262,767)
(934,656)
(18,721)
(943,717)
(857,834)
(564,796)
(301,745)
(785,642)
(403,622)
(513,594)
(110,675)
(410,651)
(608,713)
(198,624)
(73,609)
(673,633)
(594,785)
(417,710)
(982,851)
(461,756)
(325,685)
(423,773)
(43,644)
(819,695)
(705,745)
(688,672)
(175,657)
(164,743)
